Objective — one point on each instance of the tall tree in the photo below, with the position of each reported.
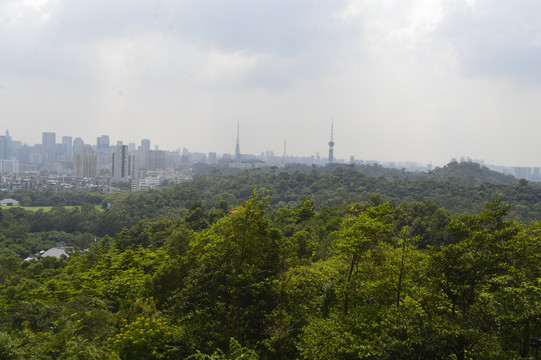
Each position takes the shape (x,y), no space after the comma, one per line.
(229,289)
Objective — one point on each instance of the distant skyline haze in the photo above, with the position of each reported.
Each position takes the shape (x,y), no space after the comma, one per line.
(422,80)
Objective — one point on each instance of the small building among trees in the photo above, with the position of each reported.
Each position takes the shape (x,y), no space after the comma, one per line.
(9,202)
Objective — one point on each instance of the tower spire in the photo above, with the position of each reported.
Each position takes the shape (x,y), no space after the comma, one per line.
(331,143)
(237,147)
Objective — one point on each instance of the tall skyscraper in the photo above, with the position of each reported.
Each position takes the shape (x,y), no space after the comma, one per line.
(145,145)
(102,142)
(78,146)
(67,148)
(48,149)
(85,165)
(3,147)
(6,146)
(237,147)
(123,167)
(104,153)
(142,152)
(331,144)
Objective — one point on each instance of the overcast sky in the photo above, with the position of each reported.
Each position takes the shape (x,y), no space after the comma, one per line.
(416,80)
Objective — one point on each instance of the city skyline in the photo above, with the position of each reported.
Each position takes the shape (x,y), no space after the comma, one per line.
(123,162)
(78,145)
(423,80)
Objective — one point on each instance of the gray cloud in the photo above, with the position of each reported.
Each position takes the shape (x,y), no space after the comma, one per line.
(293,39)
(415,80)
(280,27)
(496,38)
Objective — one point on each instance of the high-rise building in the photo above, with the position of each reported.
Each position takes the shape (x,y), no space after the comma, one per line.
(212,159)
(331,144)
(23,153)
(3,154)
(67,148)
(104,152)
(237,147)
(48,149)
(155,160)
(9,166)
(102,142)
(145,145)
(6,146)
(123,166)
(78,146)
(85,165)
(141,154)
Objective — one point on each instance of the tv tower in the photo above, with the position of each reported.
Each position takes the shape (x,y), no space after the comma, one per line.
(237,148)
(331,144)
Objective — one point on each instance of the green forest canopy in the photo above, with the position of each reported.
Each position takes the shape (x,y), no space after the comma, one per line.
(321,265)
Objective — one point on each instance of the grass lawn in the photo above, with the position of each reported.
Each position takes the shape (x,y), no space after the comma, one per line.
(47,208)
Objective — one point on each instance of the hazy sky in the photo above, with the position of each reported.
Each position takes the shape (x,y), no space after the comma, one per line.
(418,80)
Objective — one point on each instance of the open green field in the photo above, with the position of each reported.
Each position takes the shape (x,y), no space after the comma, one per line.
(48,208)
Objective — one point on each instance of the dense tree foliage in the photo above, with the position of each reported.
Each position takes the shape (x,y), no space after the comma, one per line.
(458,188)
(181,273)
(470,173)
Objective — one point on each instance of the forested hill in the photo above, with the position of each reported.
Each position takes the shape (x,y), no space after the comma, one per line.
(374,170)
(326,263)
(459,188)
(465,172)
(470,173)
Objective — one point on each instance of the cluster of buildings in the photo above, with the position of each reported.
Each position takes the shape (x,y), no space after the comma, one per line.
(72,162)
(120,163)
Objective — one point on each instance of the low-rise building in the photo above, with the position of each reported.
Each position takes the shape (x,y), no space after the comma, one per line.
(9,202)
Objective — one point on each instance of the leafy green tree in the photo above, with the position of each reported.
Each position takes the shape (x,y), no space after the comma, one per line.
(9,348)
(424,220)
(357,235)
(229,289)
(305,292)
(196,217)
(475,278)
(235,352)
(305,210)
(144,338)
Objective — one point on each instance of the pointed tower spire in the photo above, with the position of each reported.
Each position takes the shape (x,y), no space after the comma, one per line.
(237,148)
(331,143)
